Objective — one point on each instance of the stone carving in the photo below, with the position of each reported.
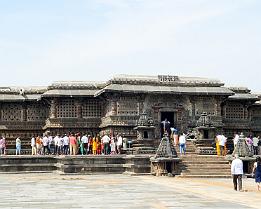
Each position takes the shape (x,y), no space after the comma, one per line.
(204,120)
(144,120)
(241,148)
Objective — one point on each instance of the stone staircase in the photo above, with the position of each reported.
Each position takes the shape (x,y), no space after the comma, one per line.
(203,166)
(145,146)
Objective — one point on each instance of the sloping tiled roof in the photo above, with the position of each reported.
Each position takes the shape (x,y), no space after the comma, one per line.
(19,97)
(126,88)
(243,96)
(69,92)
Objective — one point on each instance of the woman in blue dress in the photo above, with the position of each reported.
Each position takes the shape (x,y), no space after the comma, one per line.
(257,170)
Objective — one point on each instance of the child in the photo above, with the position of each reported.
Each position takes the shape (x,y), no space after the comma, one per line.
(113,147)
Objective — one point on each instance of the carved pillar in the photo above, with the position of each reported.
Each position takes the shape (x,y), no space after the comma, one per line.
(218,106)
(79,108)
(24,112)
(113,107)
(53,111)
(193,107)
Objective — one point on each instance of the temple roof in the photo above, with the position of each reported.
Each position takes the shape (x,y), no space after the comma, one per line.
(69,92)
(126,88)
(164,80)
(243,97)
(19,97)
(77,85)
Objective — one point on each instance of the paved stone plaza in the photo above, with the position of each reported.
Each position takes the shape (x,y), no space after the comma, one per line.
(122,191)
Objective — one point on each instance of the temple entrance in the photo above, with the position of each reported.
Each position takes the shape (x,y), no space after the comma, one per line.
(170,117)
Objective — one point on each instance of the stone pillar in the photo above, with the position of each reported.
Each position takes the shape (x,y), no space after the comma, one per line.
(53,111)
(24,113)
(218,106)
(113,107)
(79,108)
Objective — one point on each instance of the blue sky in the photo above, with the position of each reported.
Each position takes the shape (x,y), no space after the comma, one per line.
(45,41)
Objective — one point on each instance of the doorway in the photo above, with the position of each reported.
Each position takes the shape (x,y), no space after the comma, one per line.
(170,116)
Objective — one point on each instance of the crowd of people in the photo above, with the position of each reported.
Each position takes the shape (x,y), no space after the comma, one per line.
(71,144)
(253,143)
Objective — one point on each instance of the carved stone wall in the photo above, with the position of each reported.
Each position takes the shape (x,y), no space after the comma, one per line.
(91,108)
(66,108)
(205,104)
(36,112)
(11,112)
(234,110)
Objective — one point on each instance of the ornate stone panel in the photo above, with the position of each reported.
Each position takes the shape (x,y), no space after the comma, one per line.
(11,112)
(127,106)
(234,111)
(205,104)
(66,108)
(36,112)
(91,108)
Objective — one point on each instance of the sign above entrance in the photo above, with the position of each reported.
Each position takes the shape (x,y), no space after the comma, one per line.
(168,78)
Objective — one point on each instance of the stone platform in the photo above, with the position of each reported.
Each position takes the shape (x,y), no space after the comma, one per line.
(90,164)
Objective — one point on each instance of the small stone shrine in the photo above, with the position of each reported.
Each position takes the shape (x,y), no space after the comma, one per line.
(241,148)
(244,153)
(145,143)
(165,162)
(206,135)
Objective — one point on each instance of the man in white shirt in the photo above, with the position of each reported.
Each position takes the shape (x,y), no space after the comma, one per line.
(255,145)
(182,144)
(60,145)
(56,139)
(105,141)
(33,145)
(45,144)
(65,144)
(119,144)
(235,140)
(237,172)
(84,140)
(222,141)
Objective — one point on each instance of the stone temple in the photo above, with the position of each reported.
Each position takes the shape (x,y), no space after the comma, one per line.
(115,107)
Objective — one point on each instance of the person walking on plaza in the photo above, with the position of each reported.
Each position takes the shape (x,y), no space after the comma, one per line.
(182,144)
(237,172)
(33,145)
(257,172)
(18,146)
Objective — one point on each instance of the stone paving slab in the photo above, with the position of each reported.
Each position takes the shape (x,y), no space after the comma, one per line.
(122,191)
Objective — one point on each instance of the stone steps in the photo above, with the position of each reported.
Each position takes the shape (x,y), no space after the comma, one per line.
(199,161)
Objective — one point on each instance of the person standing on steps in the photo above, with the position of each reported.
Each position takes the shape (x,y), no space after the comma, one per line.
(182,144)
(237,172)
